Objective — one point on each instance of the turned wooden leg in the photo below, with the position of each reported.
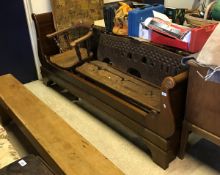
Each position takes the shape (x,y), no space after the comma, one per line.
(184,139)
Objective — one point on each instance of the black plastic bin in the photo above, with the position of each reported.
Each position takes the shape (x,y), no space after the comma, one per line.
(30,165)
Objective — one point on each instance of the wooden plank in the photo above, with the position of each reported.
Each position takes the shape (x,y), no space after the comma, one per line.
(126,85)
(70,151)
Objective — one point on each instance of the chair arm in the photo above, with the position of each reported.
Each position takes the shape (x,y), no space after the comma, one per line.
(81,39)
(61,32)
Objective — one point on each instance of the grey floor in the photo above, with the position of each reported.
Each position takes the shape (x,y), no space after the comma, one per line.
(203,157)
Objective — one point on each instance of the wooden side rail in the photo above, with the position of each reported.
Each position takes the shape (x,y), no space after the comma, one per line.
(60,145)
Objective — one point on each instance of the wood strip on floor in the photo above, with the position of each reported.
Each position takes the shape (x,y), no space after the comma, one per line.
(70,151)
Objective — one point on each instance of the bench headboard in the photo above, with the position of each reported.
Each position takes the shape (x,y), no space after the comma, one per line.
(143,60)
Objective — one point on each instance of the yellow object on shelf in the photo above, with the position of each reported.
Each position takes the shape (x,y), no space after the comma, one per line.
(121,19)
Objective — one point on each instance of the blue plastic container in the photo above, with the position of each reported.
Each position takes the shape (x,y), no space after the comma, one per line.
(138,15)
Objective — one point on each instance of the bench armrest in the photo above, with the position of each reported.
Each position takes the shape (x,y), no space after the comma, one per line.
(173,94)
(81,39)
(171,82)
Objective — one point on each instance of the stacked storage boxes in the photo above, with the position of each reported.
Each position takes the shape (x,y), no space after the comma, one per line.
(138,15)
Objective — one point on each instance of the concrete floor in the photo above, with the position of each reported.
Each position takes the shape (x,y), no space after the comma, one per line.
(203,157)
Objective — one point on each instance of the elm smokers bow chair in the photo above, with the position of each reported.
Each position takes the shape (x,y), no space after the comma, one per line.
(68,13)
(202,108)
(49,50)
(75,54)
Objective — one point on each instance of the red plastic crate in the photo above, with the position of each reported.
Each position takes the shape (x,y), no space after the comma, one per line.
(199,37)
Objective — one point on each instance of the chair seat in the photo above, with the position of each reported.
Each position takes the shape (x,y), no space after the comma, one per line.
(68,58)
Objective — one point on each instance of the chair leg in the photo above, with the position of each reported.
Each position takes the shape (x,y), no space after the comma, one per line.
(184,140)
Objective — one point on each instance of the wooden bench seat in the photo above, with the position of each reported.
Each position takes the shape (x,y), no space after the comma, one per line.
(60,145)
(137,91)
